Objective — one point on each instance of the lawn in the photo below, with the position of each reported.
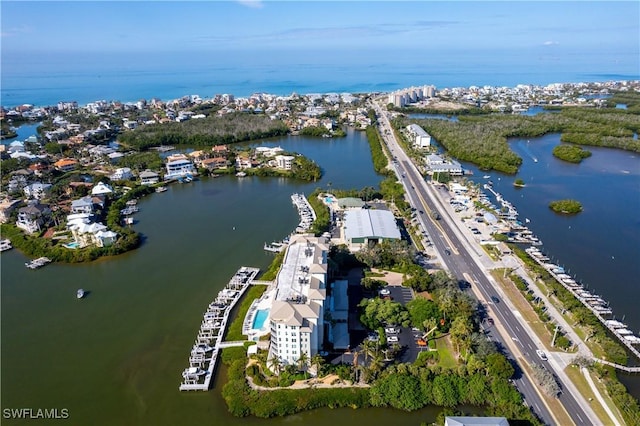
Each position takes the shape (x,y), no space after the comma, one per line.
(234,331)
(446,353)
(580,382)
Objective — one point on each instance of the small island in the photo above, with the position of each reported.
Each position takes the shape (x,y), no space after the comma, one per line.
(571,153)
(518,183)
(566,206)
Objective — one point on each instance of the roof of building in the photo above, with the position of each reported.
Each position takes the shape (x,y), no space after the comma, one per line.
(475,421)
(350,202)
(368,223)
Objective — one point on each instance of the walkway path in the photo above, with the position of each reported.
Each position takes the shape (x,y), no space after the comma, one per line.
(587,376)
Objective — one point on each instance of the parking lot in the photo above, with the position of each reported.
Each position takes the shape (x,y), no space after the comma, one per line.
(404,335)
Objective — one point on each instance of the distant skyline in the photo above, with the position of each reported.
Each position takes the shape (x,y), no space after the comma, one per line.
(169,26)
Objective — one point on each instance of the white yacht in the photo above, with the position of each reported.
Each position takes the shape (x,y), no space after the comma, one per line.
(80,293)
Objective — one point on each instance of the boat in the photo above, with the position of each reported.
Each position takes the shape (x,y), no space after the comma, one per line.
(37,263)
(5,245)
(274,247)
(486,177)
(161,189)
(193,373)
(129,220)
(241,174)
(80,293)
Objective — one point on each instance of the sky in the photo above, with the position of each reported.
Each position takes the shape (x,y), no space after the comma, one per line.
(120,26)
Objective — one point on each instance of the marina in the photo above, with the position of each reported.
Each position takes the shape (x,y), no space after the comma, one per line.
(37,263)
(596,304)
(307,215)
(205,351)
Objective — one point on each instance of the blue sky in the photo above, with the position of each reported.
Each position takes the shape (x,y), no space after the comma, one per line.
(332,25)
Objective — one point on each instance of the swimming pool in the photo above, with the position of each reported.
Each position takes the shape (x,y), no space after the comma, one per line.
(260,318)
(72,245)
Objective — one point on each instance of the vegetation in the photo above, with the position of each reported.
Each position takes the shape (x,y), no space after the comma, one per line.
(380,160)
(244,401)
(397,255)
(212,130)
(323,219)
(571,153)
(6,132)
(566,206)
(482,139)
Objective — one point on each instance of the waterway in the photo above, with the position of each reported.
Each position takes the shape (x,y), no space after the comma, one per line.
(116,356)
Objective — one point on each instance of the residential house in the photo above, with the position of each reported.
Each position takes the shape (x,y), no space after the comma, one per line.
(7,206)
(32,217)
(215,163)
(123,173)
(92,234)
(149,178)
(285,162)
(101,189)
(179,168)
(66,164)
(37,190)
(82,205)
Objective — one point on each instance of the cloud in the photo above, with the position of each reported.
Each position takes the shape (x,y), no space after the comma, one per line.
(254,4)
(550,43)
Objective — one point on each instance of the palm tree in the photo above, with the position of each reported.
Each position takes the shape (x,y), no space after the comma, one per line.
(276,364)
(317,360)
(302,363)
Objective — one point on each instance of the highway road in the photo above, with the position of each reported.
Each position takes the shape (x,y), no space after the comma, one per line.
(458,257)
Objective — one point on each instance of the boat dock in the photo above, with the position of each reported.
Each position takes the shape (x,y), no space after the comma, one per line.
(596,304)
(37,263)
(208,343)
(306,212)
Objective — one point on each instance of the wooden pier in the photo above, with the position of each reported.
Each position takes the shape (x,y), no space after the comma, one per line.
(205,351)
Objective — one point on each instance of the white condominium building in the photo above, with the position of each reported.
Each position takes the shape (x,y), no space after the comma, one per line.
(297,313)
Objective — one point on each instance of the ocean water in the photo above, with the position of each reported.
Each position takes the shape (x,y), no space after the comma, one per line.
(47,78)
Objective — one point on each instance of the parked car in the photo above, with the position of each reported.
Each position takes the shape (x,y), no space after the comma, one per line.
(392,339)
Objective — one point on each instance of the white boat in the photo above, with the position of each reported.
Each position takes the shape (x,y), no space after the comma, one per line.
(201,349)
(80,293)
(193,373)
(5,245)
(486,177)
(161,189)
(241,174)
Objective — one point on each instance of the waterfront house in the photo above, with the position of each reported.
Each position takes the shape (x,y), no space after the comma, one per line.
(32,217)
(179,168)
(87,234)
(215,163)
(284,162)
(148,177)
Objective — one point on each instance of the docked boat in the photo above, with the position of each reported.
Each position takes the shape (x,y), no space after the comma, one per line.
(37,263)
(161,189)
(241,174)
(5,245)
(193,373)
(80,293)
